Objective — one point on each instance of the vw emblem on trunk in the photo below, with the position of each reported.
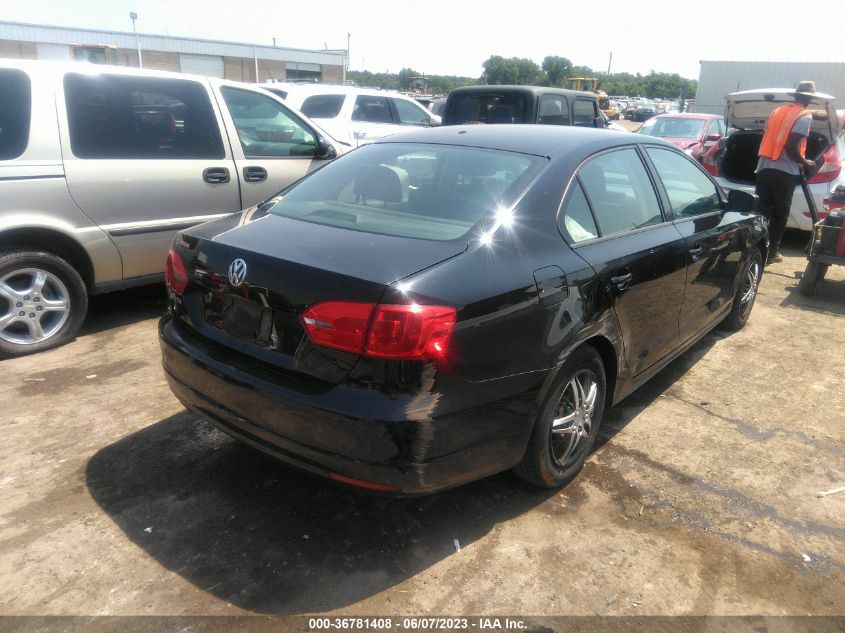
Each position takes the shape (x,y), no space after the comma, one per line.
(237,272)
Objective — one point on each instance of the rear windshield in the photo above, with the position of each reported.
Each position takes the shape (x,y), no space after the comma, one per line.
(673,127)
(510,107)
(432,192)
(15,106)
(322,106)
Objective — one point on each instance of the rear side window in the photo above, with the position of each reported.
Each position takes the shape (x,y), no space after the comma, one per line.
(15,113)
(576,221)
(690,192)
(372,110)
(111,116)
(322,106)
(620,192)
(554,110)
(507,107)
(584,113)
(433,192)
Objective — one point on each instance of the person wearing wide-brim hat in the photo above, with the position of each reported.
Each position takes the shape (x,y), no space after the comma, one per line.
(781,159)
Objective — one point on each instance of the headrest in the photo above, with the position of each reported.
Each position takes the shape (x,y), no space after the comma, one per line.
(377,182)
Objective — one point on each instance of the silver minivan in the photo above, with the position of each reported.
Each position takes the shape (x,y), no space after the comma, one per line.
(101,165)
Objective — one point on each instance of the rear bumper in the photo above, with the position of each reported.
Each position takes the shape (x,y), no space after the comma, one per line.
(348,431)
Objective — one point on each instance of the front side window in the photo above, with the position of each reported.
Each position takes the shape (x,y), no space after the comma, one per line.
(266,127)
(691,192)
(372,110)
(410,114)
(584,113)
(322,106)
(112,116)
(620,192)
(432,192)
(15,113)
(554,110)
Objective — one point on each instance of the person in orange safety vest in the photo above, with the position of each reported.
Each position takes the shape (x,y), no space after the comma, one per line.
(781,159)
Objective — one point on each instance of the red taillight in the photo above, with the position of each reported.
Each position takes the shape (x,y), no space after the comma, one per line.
(338,324)
(175,273)
(831,169)
(708,161)
(399,332)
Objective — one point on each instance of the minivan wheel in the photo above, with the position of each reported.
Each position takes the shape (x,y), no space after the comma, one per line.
(746,292)
(43,302)
(568,422)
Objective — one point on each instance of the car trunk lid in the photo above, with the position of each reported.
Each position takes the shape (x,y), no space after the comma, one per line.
(750,109)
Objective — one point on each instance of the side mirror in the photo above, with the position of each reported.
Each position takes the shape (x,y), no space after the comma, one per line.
(713,137)
(740,201)
(436,120)
(325,149)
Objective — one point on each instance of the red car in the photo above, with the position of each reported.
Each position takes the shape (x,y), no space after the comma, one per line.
(693,133)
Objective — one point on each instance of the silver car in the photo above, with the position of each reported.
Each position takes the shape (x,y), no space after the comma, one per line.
(101,165)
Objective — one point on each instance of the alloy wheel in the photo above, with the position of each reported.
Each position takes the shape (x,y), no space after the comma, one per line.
(748,289)
(34,305)
(573,421)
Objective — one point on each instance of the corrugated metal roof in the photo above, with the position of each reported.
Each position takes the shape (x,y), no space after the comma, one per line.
(719,78)
(18,31)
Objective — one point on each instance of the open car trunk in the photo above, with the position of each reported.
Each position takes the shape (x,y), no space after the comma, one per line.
(738,156)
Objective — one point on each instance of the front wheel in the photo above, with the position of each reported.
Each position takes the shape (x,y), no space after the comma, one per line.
(746,293)
(43,302)
(568,422)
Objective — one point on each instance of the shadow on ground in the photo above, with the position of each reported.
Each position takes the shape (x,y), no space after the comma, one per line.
(270,539)
(124,307)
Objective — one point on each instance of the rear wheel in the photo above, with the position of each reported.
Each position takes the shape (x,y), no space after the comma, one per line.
(813,273)
(43,302)
(568,422)
(746,293)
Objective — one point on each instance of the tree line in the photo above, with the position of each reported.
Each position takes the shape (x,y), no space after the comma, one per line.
(553,71)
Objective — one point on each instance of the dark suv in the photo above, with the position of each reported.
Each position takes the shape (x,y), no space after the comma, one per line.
(522,104)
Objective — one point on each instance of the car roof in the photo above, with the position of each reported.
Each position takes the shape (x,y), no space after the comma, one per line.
(688,115)
(551,141)
(334,89)
(534,90)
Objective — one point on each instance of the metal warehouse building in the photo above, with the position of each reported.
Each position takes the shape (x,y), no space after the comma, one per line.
(719,78)
(229,60)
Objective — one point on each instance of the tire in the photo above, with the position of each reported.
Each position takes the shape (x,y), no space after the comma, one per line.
(43,302)
(746,292)
(812,274)
(553,459)
(822,271)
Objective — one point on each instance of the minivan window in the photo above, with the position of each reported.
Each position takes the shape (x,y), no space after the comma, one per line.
(322,106)
(265,127)
(372,110)
(584,113)
(113,116)
(507,107)
(429,192)
(690,191)
(620,192)
(554,110)
(15,113)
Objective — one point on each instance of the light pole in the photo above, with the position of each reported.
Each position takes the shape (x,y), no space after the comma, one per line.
(346,61)
(134,16)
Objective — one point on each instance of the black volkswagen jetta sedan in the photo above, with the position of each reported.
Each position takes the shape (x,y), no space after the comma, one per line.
(446,304)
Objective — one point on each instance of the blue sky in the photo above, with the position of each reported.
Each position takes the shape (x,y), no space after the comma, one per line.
(456,36)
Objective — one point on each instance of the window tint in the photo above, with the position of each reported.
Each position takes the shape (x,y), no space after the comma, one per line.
(554,110)
(433,192)
(690,191)
(139,117)
(372,110)
(620,192)
(15,113)
(322,106)
(266,127)
(584,113)
(508,107)
(277,91)
(577,221)
(410,114)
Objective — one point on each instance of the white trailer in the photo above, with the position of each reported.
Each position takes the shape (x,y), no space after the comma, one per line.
(718,78)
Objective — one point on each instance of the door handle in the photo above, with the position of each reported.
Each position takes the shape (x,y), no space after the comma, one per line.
(695,252)
(255,174)
(622,281)
(215,175)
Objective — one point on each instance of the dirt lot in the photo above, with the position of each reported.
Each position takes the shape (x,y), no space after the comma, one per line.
(702,498)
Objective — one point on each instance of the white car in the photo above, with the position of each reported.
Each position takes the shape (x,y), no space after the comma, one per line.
(356,115)
(735,159)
